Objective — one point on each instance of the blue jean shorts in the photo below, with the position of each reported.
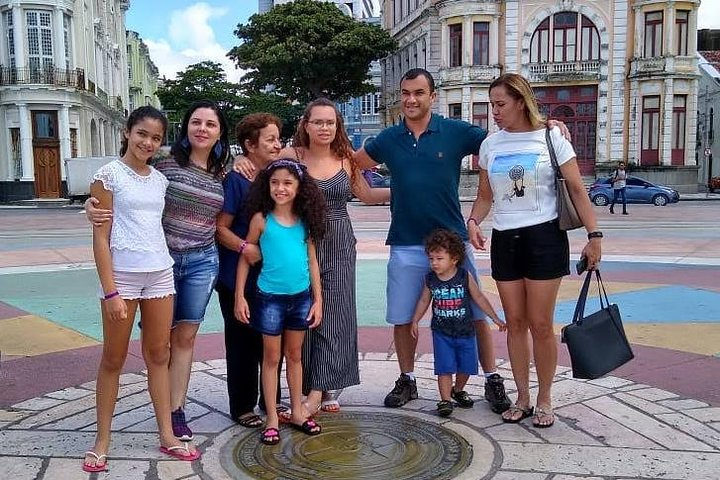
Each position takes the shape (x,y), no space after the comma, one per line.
(195,273)
(455,354)
(406,272)
(272,313)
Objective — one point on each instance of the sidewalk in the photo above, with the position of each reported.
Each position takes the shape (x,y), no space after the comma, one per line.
(607,428)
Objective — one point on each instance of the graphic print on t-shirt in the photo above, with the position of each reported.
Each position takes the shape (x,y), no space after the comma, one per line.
(448,301)
(514,175)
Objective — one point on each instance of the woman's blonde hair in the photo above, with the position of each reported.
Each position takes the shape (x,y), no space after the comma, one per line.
(519,88)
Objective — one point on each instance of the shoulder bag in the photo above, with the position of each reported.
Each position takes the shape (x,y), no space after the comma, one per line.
(568,218)
(597,343)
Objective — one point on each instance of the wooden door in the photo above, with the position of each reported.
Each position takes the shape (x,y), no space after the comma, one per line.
(46,152)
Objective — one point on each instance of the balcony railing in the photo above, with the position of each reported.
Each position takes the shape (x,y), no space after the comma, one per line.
(57,77)
(469,73)
(647,66)
(102,95)
(559,71)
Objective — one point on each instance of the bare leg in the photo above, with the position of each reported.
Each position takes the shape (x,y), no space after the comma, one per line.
(271,361)
(156,320)
(292,348)
(486,347)
(405,345)
(182,343)
(461,380)
(445,386)
(116,336)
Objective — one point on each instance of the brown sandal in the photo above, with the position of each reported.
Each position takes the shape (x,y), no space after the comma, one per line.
(513,411)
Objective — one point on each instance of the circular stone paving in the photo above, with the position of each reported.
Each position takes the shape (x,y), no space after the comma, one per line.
(360,444)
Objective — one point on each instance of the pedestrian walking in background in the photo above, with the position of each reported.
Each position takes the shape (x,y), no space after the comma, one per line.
(451,289)
(619,184)
(135,270)
(193,200)
(529,253)
(287,220)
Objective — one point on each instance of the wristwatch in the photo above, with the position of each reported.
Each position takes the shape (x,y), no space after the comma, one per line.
(595,234)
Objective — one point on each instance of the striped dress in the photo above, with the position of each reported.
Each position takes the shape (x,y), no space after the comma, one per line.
(330,352)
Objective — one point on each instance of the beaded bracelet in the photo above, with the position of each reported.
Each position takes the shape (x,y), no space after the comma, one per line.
(111,295)
(242,246)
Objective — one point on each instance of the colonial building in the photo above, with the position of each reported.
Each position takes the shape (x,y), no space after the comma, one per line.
(143,75)
(63,89)
(709,118)
(621,74)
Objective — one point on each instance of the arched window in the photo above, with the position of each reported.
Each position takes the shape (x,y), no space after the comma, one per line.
(565,37)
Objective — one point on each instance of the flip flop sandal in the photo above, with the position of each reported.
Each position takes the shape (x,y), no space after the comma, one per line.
(445,408)
(308,427)
(95,468)
(249,420)
(541,414)
(270,436)
(462,398)
(330,406)
(177,452)
(514,410)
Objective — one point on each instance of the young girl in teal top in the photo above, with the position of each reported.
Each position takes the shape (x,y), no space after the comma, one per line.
(287,219)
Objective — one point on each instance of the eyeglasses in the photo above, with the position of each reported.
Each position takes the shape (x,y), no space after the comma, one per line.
(323,123)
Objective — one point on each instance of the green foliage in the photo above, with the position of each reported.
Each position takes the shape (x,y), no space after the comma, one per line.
(307,49)
(288,112)
(201,81)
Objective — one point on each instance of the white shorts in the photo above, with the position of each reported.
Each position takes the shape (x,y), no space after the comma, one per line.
(143,285)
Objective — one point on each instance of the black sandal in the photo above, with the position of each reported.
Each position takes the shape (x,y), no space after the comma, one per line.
(514,410)
(445,408)
(270,436)
(462,398)
(249,420)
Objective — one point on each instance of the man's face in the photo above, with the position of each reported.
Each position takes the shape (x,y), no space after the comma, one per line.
(416,97)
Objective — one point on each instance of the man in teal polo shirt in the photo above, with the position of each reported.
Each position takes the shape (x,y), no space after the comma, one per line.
(424,155)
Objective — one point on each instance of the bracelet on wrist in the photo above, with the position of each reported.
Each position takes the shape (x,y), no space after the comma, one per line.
(474,220)
(242,246)
(595,234)
(110,295)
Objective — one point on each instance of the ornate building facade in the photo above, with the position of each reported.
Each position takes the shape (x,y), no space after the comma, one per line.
(143,75)
(63,89)
(622,74)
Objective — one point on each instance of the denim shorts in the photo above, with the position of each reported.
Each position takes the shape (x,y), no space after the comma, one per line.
(406,272)
(195,272)
(272,313)
(455,354)
(537,252)
(143,285)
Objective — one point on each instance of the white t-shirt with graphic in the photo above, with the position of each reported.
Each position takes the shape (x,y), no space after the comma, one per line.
(522,177)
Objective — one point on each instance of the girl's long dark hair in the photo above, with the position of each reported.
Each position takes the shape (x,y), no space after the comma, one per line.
(181,148)
(308,205)
(138,115)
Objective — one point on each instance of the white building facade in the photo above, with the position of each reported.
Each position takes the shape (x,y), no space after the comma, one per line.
(63,89)
(358,9)
(622,74)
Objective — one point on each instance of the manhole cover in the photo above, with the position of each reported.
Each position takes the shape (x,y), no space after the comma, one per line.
(353,445)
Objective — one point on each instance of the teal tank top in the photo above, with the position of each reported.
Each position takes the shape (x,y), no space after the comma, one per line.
(285,267)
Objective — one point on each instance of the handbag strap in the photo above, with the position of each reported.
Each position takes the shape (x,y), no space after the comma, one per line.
(551,152)
(582,298)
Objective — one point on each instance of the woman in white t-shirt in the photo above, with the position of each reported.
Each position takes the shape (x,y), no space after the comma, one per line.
(136,272)
(529,253)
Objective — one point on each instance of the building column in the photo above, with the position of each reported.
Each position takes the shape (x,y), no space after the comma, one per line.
(64,131)
(467,46)
(639,26)
(692,28)
(691,111)
(667,126)
(19,37)
(26,149)
(6,167)
(101,138)
(669,29)
(494,46)
(444,44)
(59,38)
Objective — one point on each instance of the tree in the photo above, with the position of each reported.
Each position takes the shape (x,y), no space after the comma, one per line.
(308,49)
(201,81)
(288,112)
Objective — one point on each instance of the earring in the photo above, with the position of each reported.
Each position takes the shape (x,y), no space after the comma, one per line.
(185,143)
(218,149)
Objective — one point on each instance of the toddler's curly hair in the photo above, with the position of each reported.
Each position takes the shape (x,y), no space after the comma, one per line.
(448,241)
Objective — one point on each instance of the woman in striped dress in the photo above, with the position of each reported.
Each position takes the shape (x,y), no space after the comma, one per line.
(330,353)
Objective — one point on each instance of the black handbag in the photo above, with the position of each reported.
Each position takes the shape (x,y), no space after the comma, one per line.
(568,218)
(597,343)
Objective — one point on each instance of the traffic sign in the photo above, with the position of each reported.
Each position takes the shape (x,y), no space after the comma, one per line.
(707,152)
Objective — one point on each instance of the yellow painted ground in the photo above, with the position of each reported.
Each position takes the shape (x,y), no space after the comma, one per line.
(700,338)
(31,335)
(570,288)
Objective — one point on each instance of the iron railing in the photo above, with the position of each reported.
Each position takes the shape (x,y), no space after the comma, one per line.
(58,77)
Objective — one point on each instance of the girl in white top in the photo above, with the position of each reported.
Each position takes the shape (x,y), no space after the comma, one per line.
(529,254)
(135,269)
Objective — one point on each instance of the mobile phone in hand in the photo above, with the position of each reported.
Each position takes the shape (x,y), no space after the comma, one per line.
(581,265)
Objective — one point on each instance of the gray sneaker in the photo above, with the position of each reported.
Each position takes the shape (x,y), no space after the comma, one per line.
(495,393)
(404,391)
